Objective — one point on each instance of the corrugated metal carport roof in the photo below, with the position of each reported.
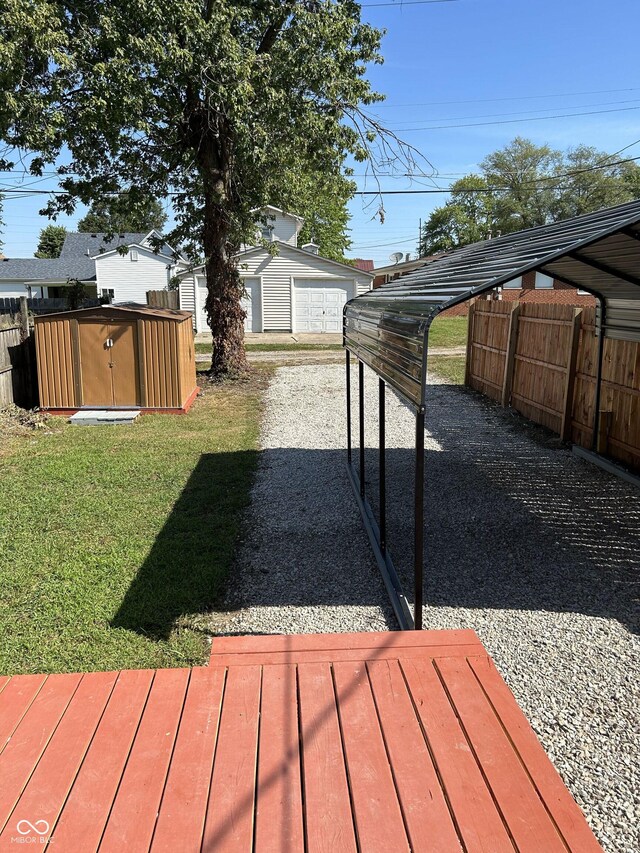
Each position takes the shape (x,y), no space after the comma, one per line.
(388,327)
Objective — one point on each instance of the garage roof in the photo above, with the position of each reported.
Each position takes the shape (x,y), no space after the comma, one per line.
(388,328)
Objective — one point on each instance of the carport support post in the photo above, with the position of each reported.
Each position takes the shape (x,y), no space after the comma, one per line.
(348,368)
(418,532)
(361,418)
(382,467)
(596,404)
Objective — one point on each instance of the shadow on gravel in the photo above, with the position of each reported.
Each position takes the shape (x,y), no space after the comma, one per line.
(510,523)
(513,521)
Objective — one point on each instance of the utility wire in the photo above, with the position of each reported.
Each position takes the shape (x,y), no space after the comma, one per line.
(527,112)
(518,120)
(386,105)
(402,3)
(16,192)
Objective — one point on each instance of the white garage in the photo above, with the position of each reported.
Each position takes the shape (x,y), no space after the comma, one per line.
(288,290)
(318,304)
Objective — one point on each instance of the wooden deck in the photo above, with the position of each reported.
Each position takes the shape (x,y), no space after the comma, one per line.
(352,742)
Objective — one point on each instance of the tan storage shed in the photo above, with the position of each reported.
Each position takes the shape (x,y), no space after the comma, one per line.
(116,357)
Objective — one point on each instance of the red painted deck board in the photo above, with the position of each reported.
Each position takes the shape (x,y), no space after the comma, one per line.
(230,814)
(328,816)
(21,755)
(17,695)
(424,805)
(86,811)
(279,792)
(184,803)
(377,742)
(51,781)
(133,816)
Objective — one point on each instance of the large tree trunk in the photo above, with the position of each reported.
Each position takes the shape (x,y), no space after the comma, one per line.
(225,314)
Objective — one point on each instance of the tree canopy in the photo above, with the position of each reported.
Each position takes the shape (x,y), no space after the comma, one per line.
(223,106)
(524,185)
(50,241)
(124,213)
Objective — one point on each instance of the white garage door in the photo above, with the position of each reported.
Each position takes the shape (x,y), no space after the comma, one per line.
(250,302)
(319,304)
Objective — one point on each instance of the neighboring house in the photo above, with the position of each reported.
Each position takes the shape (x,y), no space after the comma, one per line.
(537,287)
(383,275)
(531,287)
(122,269)
(293,290)
(363,264)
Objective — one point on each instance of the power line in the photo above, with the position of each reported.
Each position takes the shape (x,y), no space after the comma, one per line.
(510,98)
(402,3)
(383,245)
(18,193)
(526,112)
(518,120)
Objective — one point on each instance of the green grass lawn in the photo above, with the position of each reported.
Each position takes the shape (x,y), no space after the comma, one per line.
(113,540)
(448,332)
(445,332)
(449,367)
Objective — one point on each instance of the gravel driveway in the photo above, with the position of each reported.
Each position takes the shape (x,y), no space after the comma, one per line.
(535,550)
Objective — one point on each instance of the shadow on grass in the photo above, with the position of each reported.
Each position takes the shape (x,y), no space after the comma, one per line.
(186,568)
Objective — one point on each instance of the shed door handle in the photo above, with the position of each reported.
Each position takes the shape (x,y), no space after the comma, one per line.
(108,343)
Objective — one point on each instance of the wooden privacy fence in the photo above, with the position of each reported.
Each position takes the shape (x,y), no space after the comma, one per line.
(163,298)
(41,306)
(542,360)
(18,379)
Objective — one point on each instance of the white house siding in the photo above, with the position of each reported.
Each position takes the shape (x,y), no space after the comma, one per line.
(285,228)
(12,289)
(186,296)
(130,279)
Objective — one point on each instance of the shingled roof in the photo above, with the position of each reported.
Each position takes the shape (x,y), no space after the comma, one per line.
(75,261)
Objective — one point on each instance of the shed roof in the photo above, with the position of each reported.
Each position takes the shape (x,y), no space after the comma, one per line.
(128,310)
(387,328)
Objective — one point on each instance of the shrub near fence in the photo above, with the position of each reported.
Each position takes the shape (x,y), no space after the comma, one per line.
(543,359)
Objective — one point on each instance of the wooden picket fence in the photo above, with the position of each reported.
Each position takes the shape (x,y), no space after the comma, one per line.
(542,360)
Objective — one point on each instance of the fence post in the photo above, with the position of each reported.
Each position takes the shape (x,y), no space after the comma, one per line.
(24,318)
(468,362)
(509,359)
(570,378)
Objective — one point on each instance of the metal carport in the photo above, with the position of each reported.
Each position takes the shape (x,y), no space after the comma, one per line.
(387,329)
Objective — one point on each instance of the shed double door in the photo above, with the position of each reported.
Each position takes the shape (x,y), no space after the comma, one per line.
(109,356)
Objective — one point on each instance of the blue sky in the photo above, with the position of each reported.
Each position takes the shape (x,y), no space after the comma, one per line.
(469,62)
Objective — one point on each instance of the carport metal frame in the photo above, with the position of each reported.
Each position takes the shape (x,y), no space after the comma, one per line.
(599,227)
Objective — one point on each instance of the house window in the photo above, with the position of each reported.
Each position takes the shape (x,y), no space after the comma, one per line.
(133,254)
(543,282)
(514,284)
(267,232)
(107,293)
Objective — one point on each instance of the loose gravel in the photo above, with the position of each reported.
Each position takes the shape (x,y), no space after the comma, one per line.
(534,549)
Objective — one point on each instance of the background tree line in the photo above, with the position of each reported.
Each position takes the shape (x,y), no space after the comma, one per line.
(525,185)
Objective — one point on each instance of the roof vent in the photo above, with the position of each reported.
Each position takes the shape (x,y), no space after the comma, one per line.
(311,247)
(94,235)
